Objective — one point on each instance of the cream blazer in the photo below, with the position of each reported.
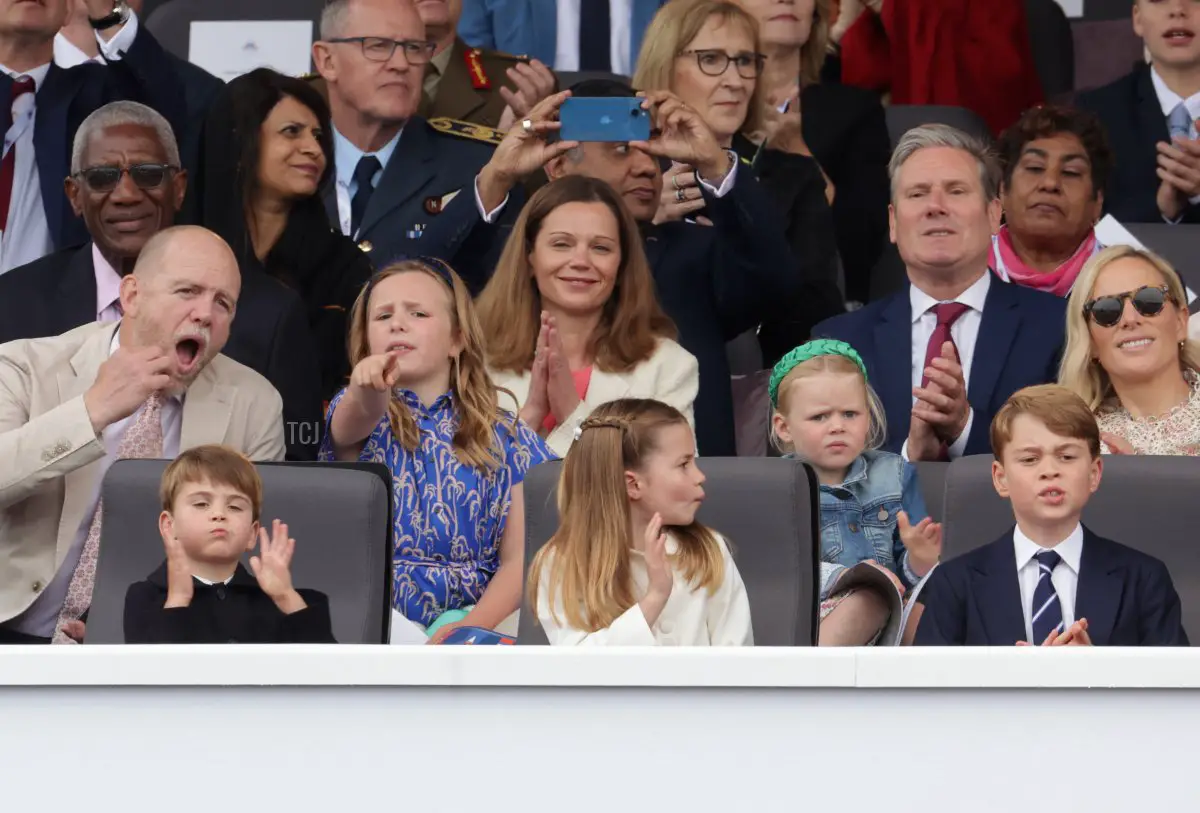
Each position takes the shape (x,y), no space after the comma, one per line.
(670,375)
(49,450)
(691,617)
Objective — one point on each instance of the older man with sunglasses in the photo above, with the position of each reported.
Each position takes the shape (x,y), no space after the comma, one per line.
(946,353)
(127,186)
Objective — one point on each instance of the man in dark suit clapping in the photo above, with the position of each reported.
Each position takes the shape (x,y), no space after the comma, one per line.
(127,186)
(947,351)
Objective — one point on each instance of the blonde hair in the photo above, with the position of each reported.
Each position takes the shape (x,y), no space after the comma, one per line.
(476,442)
(1061,411)
(674,26)
(588,557)
(836,365)
(216,464)
(814,52)
(1079,371)
(510,306)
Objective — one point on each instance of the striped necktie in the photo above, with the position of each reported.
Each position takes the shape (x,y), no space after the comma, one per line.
(1047,609)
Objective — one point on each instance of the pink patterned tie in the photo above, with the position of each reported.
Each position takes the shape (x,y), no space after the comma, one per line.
(142,439)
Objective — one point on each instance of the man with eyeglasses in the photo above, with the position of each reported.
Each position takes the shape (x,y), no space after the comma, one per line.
(41,106)
(127,186)
(395,172)
(945,353)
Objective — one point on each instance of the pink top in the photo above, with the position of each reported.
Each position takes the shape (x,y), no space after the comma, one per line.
(583,377)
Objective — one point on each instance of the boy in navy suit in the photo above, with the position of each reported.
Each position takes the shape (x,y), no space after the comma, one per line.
(211,499)
(1050,581)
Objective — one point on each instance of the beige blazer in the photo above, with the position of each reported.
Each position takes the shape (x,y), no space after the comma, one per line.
(50,451)
(670,375)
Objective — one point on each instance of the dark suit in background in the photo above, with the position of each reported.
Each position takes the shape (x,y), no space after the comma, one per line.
(1020,342)
(1133,117)
(847,133)
(269,333)
(1126,596)
(795,184)
(236,613)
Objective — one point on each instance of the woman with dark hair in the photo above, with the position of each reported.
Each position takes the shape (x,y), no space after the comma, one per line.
(268,203)
(1056,161)
(570,320)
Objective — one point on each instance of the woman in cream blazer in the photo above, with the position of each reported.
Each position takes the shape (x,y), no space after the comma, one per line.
(569,318)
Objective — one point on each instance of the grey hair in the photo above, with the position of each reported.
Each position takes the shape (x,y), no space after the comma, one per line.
(943,135)
(333,18)
(115,114)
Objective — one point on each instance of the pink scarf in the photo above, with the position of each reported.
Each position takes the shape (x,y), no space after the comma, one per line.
(1058,281)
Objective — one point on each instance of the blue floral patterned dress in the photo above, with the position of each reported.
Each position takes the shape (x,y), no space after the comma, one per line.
(448,518)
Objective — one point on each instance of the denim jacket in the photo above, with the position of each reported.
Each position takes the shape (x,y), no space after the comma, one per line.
(858,518)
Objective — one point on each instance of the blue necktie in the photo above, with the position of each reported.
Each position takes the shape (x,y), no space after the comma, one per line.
(594,36)
(1180,122)
(1047,609)
(368,165)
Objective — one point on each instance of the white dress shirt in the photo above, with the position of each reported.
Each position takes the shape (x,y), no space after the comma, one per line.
(1168,100)
(1065,577)
(345,160)
(67,54)
(27,237)
(691,617)
(964,332)
(203,580)
(42,616)
(108,288)
(620,26)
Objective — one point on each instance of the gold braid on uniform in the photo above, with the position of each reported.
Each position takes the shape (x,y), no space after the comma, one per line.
(466,129)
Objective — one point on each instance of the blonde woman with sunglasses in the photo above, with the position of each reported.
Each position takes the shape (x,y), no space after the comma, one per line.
(1128,354)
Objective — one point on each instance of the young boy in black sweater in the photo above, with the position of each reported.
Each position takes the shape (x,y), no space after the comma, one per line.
(211,499)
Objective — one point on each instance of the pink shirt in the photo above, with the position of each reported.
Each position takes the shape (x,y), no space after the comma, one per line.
(108,288)
(583,377)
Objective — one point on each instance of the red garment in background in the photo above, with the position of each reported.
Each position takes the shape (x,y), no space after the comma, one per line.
(968,53)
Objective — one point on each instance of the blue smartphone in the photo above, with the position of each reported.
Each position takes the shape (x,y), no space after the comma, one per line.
(604,118)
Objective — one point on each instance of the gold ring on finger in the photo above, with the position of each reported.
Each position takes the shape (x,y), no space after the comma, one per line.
(675,182)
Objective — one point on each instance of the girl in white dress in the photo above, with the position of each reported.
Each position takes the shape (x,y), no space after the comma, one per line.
(629,564)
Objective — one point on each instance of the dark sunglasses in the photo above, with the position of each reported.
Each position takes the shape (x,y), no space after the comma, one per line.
(105,179)
(1148,301)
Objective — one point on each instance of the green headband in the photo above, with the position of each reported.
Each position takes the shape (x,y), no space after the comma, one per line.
(806,351)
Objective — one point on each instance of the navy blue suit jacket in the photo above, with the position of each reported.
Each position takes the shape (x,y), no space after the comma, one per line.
(1020,342)
(715,282)
(145,73)
(405,216)
(1135,123)
(1126,596)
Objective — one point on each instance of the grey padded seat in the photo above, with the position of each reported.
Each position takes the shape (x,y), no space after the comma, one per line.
(903,117)
(1142,502)
(932,476)
(338,513)
(766,508)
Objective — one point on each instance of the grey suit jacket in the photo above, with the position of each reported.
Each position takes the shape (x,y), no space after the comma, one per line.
(50,451)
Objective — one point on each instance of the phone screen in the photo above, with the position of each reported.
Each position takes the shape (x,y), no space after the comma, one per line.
(605,118)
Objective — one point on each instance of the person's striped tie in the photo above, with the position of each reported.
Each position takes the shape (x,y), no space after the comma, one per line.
(1047,609)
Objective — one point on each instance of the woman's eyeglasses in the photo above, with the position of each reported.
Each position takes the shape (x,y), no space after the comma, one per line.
(381,49)
(106,178)
(714,63)
(1148,301)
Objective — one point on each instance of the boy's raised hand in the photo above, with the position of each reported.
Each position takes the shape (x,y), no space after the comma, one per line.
(180,587)
(923,542)
(1074,635)
(272,567)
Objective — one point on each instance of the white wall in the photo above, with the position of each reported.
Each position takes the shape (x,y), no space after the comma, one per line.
(498,729)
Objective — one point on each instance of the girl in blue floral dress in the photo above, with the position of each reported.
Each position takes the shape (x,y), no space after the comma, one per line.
(421,402)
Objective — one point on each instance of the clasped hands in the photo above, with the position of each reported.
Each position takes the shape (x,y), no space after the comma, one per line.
(941,412)
(551,385)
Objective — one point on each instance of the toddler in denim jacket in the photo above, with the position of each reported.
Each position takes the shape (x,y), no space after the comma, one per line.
(826,414)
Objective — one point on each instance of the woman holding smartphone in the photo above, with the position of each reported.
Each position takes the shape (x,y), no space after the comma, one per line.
(707,52)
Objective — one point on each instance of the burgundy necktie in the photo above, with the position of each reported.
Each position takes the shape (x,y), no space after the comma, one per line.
(947,314)
(8,165)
